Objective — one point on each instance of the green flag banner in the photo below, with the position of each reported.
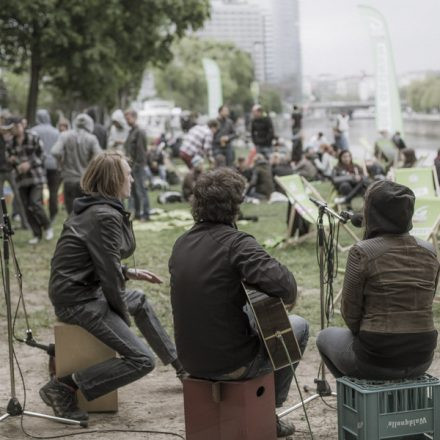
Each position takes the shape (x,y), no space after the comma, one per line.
(388,112)
(214,83)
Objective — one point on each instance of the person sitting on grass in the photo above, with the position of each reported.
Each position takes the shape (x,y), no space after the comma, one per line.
(87,288)
(389,286)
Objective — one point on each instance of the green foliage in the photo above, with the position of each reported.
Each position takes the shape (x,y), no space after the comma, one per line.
(183,80)
(424,95)
(270,99)
(94,51)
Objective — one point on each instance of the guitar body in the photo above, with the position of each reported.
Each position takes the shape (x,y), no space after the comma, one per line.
(274,328)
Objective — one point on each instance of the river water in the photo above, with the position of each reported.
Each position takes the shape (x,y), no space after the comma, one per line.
(421,135)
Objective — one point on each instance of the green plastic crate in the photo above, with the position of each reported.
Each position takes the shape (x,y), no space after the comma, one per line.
(374,410)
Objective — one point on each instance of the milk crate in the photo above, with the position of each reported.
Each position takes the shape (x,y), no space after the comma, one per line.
(375,410)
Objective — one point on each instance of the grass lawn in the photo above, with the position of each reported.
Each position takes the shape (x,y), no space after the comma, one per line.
(153,251)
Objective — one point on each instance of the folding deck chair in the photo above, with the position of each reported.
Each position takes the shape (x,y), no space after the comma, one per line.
(423,181)
(298,191)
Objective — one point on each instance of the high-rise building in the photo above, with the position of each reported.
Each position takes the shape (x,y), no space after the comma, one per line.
(243,24)
(267,30)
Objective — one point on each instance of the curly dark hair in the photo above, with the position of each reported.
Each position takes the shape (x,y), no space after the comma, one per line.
(217,196)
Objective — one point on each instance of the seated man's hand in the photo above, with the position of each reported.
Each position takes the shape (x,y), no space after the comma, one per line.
(143,275)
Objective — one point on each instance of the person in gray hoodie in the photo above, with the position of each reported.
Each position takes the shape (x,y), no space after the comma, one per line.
(74,150)
(48,134)
(118,131)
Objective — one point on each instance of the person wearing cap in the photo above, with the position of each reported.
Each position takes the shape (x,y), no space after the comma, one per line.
(198,141)
(197,168)
(262,131)
(389,286)
(26,157)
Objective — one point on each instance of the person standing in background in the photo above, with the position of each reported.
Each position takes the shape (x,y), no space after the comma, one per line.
(118,131)
(74,150)
(26,156)
(262,131)
(136,150)
(49,135)
(223,137)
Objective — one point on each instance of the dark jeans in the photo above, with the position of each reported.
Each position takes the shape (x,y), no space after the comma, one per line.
(139,192)
(262,365)
(136,358)
(335,345)
(53,183)
(7,176)
(32,199)
(351,189)
(72,190)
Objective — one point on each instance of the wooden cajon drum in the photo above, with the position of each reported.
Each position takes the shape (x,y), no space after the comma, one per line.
(241,410)
(76,349)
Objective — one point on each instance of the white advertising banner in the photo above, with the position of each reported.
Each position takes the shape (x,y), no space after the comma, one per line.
(388,111)
(214,85)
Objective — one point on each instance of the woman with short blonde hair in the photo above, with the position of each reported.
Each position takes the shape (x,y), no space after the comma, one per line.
(87,288)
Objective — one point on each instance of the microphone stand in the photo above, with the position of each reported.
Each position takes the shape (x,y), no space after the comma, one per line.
(14,407)
(322,386)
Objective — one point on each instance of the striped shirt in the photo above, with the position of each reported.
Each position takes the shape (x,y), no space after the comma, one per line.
(198,140)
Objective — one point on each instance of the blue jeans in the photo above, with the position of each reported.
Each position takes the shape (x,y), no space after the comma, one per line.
(136,358)
(139,192)
(261,363)
(335,345)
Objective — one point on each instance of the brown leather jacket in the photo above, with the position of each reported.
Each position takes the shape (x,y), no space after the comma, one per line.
(390,283)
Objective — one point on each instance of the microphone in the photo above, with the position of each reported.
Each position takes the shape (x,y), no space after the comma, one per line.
(356,219)
(318,203)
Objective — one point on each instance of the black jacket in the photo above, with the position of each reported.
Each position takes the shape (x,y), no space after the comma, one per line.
(207,266)
(136,146)
(226,128)
(262,131)
(87,259)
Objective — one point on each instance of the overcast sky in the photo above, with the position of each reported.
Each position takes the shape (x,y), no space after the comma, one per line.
(335,39)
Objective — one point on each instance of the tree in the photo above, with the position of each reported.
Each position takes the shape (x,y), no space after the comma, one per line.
(424,95)
(183,79)
(94,51)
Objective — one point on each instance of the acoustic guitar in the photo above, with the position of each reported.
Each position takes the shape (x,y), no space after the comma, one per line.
(274,328)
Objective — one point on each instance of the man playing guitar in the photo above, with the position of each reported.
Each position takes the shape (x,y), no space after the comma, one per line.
(214,336)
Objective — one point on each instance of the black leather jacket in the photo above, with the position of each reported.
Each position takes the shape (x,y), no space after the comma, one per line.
(87,259)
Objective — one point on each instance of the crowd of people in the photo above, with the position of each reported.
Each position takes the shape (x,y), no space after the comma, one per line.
(44,155)
(32,157)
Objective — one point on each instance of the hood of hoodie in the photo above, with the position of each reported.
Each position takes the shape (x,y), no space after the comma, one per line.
(119,117)
(82,203)
(43,117)
(388,209)
(83,121)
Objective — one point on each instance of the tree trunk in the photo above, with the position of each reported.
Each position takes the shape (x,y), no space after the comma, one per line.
(34,81)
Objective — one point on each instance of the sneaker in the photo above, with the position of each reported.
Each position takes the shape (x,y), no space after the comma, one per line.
(340,200)
(284,428)
(34,240)
(49,233)
(63,400)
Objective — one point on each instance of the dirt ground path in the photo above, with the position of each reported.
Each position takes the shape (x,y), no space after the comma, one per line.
(152,403)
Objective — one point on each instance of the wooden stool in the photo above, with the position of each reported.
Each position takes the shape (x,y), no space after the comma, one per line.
(242,410)
(76,349)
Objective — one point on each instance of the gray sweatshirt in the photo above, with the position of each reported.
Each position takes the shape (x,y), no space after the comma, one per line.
(76,148)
